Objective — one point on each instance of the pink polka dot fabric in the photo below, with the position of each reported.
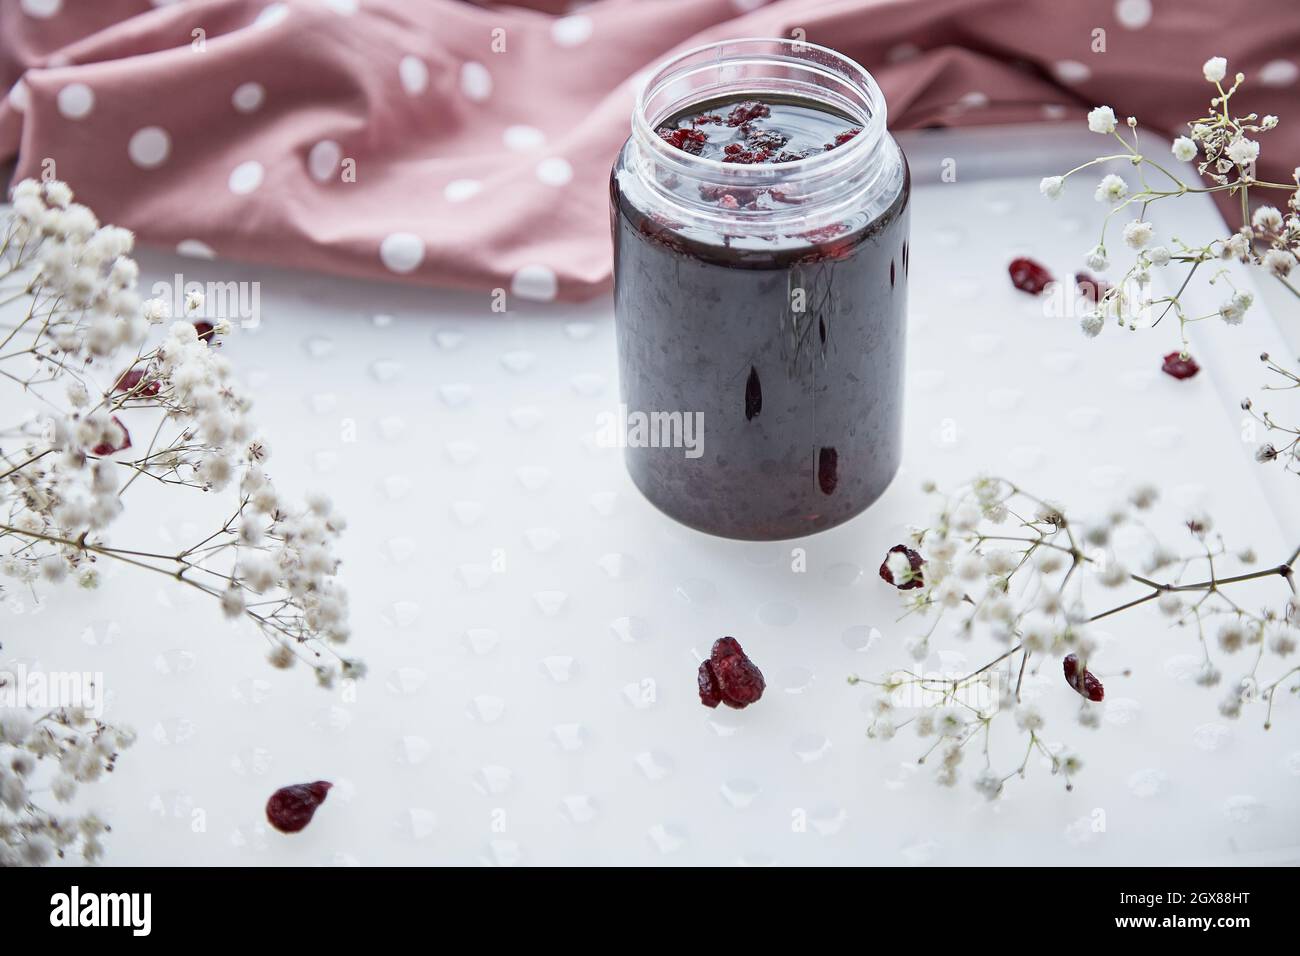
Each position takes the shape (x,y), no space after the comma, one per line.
(460,145)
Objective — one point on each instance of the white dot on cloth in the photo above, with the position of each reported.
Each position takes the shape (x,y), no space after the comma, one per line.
(475,81)
(902,53)
(245,177)
(535,282)
(324,159)
(523,138)
(248,97)
(458,190)
(974,99)
(149,147)
(344,7)
(555,171)
(195,249)
(401,252)
(76,100)
(571,31)
(1072,71)
(271,15)
(1133,14)
(41,9)
(745,6)
(1278,73)
(414,75)
(19,96)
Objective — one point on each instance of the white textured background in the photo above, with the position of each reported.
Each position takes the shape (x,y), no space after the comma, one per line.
(506,718)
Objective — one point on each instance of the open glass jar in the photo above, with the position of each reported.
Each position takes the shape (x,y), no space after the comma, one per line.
(760,219)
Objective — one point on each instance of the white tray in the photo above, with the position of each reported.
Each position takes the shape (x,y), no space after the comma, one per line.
(547,712)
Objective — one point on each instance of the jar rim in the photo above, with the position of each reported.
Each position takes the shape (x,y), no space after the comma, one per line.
(873,115)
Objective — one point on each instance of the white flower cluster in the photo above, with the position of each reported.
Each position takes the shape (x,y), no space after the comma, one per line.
(1228,154)
(62,484)
(54,753)
(1008,569)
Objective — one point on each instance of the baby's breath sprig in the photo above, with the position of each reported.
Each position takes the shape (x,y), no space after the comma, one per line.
(74,336)
(1225,148)
(1003,565)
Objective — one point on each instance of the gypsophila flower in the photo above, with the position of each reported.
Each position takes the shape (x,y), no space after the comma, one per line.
(1267,218)
(1243,151)
(1051,186)
(1158,256)
(1215,69)
(1184,149)
(1279,262)
(1112,188)
(1234,310)
(1137,234)
(1102,120)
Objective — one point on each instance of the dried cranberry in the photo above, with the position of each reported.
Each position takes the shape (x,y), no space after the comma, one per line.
(131,380)
(765,139)
(844,137)
(205,330)
(707,119)
(729,676)
(1028,276)
(107,448)
(746,111)
(1088,686)
(1179,367)
(291,808)
(753,394)
(728,201)
(828,470)
(687,140)
(785,156)
(1092,289)
(913,558)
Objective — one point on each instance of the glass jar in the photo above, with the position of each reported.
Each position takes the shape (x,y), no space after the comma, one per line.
(760,307)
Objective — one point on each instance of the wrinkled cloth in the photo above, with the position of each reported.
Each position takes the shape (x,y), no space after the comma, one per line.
(462,145)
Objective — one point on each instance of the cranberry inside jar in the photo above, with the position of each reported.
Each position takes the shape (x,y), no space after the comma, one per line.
(760,220)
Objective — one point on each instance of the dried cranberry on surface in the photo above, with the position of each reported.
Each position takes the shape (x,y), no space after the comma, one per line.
(1090,287)
(1086,684)
(913,558)
(729,676)
(131,380)
(108,448)
(1028,275)
(1179,367)
(687,140)
(746,111)
(707,119)
(768,140)
(291,808)
(205,330)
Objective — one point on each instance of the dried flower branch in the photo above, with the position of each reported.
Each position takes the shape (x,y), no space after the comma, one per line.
(1226,149)
(1013,569)
(78,344)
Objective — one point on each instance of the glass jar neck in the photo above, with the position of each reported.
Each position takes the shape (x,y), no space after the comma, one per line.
(862,175)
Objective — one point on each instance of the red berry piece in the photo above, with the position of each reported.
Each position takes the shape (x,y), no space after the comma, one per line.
(844,137)
(291,808)
(1179,367)
(206,331)
(130,381)
(122,443)
(707,119)
(828,470)
(729,676)
(1091,288)
(687,140)
(710,692)
(1029,276)
(746,111)
(753,395)
(1086,684)
(768,140)
(913,558)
